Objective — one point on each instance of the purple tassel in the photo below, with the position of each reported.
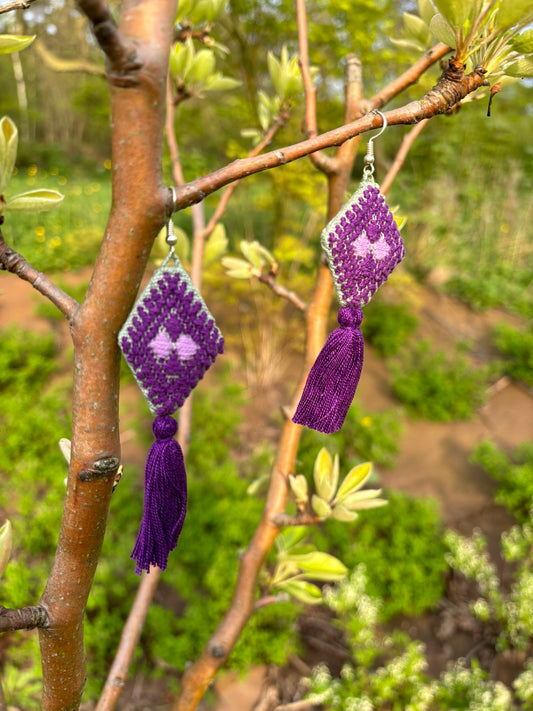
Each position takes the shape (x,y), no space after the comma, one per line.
(165,498)
(333,379)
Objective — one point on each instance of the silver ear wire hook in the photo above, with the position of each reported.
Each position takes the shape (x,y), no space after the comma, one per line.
(368,170)
(171,238)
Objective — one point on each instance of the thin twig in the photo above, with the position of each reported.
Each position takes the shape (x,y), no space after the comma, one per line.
(15,5)
(407,142)
(279,290)
(300,519)
(14,262)
(320,160)
(128,641)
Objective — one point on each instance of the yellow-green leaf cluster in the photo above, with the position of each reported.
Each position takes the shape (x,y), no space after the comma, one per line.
(195,71)
(257,260)
(285,74)
(341,502)
(297,562)
(491,34)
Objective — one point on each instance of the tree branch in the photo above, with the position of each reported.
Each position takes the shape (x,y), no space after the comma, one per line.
(451,88)
(128,641)
(303,518)
(408,78)
(140,206)
(320,160)
(25,618)
(270,281)
(15,5)
(280,121)
(66,65)
(14,262)
(123,60)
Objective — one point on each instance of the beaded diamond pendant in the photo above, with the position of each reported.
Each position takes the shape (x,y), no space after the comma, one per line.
(363,245)
(170,338)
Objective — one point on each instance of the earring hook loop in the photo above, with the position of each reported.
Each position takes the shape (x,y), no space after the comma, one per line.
(385,124)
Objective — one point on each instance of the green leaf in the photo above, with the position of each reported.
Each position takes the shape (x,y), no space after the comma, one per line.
(455,11)
(290,537)
(259,485)
(184,9)
(442,30)
(252,252)
(323,470)
(416,28)
(522,68)
(6,543)
(426,10)
(203,66)
(15,43)
(299,488)
(181,59)
(217,82)
(8,150)
(320,506)
(302,590)
(370,504)
(216,245)
(341,513)
(34,201)
(408,44)
(326,474)
(237,268)
(276,74)
(354,480)
(320,566)
(514,12)
(523,43)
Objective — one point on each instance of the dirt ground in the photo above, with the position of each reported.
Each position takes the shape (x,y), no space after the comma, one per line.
(433,459)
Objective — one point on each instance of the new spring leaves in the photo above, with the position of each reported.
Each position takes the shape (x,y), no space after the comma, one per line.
(329,501)
(488,34)
(297,561)
(32,201)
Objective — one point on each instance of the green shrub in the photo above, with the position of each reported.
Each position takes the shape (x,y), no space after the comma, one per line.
(402,550)
(387,327)
(517,348)
(514,475)
(438,387)
(371,436)
(503,286)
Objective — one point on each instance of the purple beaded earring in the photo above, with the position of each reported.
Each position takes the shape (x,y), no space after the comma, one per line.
(169,340)
(362,245)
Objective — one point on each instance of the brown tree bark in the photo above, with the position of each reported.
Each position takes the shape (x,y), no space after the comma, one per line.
(141,205)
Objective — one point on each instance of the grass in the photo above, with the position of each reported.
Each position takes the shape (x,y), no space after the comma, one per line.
(67,237)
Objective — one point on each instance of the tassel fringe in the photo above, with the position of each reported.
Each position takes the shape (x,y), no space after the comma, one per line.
(165,498)
(333,379)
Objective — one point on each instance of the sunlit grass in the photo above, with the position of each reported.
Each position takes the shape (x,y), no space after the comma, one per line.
(67,237)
